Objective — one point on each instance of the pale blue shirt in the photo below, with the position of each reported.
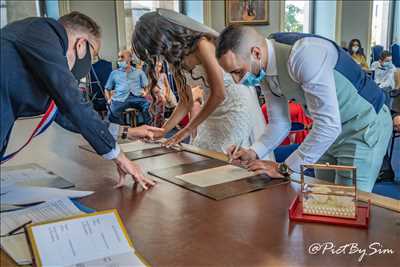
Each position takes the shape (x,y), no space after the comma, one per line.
(126,82)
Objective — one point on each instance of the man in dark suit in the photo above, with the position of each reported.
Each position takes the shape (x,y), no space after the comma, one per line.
(41,61)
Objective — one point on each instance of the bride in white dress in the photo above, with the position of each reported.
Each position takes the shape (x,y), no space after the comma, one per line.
(230,114)
(237,120)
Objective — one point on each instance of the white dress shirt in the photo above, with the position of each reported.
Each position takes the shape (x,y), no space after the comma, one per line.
(384,77)
(113,154)
(311,64)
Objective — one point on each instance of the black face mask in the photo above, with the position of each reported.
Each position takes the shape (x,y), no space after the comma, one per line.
(82,66)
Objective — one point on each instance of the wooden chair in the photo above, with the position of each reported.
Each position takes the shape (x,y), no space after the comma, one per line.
(130,114)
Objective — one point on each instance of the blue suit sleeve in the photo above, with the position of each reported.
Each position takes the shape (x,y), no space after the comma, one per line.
(42,51)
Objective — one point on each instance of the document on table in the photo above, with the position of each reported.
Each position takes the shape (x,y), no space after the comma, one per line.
(214,176)
(16,246)
(23,195)
(32,175)
(91,239)
(137,146)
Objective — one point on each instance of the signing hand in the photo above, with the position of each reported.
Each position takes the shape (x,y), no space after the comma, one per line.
(177,138)
(125,166)
(145,131)
(267,167)
(243,155)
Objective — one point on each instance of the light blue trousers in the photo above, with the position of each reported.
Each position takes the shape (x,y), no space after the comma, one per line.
(364,149)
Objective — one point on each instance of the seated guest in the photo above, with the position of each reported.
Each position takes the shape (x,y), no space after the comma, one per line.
(163,84)
(127,85)
(157,107)
(357,53)
(384,70)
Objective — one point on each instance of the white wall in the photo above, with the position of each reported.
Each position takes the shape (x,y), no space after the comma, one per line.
(103,12)
(355,22)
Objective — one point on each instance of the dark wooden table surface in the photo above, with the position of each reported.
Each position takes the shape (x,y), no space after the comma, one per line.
(171,226)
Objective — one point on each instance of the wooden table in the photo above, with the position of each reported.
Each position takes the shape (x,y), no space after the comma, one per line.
(171,226)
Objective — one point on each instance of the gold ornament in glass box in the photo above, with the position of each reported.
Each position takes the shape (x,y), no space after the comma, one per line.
(326,199)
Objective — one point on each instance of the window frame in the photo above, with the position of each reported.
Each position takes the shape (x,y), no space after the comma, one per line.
(310,17)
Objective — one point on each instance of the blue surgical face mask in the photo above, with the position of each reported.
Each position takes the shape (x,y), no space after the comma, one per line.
(122,64)
(387,64)
(250,79)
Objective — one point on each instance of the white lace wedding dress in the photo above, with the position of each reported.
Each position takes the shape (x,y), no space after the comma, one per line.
(237,120)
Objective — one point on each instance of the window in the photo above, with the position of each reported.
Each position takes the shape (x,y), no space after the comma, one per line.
(396,23)
(16,10)
(380,23)
(193,9)
(325,18)
(297,16)
(134,9)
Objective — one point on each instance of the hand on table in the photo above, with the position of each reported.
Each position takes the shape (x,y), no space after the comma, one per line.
(267,167)
(145,131)
(242,156)
(127,167)
(178,137)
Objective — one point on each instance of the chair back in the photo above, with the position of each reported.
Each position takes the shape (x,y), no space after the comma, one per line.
(396,54)
(376,52)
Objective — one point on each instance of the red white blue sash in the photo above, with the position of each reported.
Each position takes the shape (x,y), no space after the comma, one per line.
(44,123)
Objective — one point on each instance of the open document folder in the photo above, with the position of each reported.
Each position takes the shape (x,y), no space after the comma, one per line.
(96,239)
(16,245)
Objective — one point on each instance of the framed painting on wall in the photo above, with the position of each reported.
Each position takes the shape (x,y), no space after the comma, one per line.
(250,12)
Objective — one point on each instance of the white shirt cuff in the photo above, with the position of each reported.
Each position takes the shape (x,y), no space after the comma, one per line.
(261,150)
(294,161)
(114,130)
(113,154)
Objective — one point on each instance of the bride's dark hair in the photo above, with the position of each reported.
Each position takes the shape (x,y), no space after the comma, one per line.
(156,39)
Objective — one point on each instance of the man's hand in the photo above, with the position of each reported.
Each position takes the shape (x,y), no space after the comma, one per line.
(145,131)
(178,137)
(125,166)
(396,123)
(267,167)
(243,154)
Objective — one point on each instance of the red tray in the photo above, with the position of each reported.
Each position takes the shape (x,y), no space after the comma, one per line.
(361,221)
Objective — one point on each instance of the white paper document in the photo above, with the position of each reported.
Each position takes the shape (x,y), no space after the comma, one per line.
(23,195)
(16,246)
(89,240)
(129,259)
(214,176)
(137,146)
(28,174)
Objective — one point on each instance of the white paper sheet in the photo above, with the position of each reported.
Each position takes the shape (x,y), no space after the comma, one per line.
(80,240)
(23,195)
(122,260)
(214,176)
(137,146)
(16,246)
(26,175)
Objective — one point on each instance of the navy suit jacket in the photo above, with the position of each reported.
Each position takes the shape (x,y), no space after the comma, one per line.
(34,71)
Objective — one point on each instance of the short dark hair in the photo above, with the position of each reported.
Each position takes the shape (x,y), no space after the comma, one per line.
(79,22)
(385,54)
(229,39)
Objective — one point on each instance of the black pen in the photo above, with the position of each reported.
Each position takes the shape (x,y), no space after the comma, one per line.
(19,228)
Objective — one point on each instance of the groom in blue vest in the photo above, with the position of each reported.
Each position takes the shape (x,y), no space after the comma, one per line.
(352,125)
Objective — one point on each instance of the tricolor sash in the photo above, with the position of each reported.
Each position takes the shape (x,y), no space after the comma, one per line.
(44,123)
